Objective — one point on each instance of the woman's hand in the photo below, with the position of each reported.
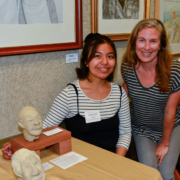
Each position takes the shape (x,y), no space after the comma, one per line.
(6,150)
(161,151)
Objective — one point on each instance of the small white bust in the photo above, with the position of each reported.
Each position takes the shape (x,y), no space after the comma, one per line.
(31,123)
(27,165)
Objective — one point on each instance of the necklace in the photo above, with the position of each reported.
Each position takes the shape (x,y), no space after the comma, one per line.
(100,101)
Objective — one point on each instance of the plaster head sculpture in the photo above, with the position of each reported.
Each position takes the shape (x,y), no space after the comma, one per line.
(30,121)
(27,165)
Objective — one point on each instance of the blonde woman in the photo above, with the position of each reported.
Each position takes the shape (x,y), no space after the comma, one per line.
(152,80)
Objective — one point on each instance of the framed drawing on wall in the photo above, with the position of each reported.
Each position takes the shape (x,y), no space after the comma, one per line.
(169,13)
(37,26)
(117,18)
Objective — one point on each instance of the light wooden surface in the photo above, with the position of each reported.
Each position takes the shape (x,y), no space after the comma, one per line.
(100,165)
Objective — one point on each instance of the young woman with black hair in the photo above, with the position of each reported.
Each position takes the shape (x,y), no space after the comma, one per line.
(95,110)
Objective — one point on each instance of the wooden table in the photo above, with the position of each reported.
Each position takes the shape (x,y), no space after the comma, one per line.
(100,165)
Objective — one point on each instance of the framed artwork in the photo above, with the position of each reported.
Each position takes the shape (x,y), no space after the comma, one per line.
(168,11)
(37,26)
(117,18)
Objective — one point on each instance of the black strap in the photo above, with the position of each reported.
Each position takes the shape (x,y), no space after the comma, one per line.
(76,94)
(120,96)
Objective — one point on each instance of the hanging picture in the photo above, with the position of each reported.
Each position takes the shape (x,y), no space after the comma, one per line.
(168,11)
(117,18)
(28,26)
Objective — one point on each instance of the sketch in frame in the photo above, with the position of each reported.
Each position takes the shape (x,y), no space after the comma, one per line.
(31,11)
(120,9)
(171,20)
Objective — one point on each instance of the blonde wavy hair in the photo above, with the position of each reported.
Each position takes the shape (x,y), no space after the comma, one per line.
(163,67)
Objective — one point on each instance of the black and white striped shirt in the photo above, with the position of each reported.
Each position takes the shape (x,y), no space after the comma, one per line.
(65,106)
(148,104)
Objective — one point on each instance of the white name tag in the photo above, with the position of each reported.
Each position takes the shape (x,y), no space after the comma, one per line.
(92,116)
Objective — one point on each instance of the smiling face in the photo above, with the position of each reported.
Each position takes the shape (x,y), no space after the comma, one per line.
(27,165)
(31,120)
(148,45)
(32,168)
(103,62)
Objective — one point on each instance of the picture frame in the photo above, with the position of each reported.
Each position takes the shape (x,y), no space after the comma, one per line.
(33,38)
(123,26)
(164,11)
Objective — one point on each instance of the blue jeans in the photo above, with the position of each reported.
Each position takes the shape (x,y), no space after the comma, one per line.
(145,148)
